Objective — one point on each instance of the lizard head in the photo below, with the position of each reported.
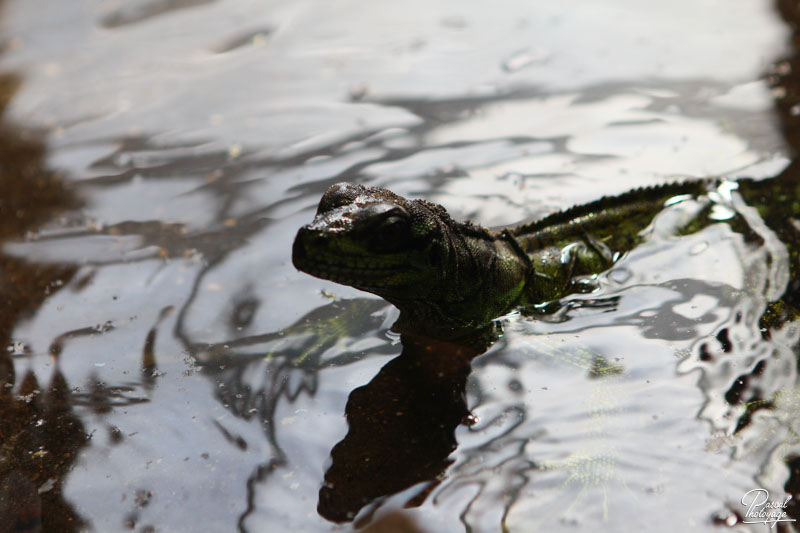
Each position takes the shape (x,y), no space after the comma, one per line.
(442,275)
(373,240)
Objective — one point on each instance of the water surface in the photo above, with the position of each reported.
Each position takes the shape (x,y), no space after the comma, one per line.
(167,369)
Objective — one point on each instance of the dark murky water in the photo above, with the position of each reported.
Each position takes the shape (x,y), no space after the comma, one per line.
(167,369)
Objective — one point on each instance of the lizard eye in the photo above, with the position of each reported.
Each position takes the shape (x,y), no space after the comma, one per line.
(392,233)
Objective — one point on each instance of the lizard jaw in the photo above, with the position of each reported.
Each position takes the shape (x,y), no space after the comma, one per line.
(359,272)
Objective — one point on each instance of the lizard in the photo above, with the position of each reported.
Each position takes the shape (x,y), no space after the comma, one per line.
(451,280)
(447,277)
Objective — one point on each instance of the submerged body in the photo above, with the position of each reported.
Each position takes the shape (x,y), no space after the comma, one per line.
(447,276)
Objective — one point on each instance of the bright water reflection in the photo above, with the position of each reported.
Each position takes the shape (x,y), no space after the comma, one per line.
(212,378)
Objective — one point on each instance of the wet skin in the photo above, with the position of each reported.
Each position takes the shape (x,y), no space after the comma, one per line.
(450,277)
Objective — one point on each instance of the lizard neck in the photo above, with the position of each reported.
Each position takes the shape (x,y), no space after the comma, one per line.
(483,276)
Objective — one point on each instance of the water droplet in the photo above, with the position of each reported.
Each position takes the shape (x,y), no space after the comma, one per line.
(677,199)
(699,248)
(523,58)
(47,485)
(620,275)
(721,212)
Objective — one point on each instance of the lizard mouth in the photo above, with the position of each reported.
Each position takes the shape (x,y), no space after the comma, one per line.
(361,272)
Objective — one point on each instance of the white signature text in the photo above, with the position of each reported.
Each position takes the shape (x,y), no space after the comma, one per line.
(762,511)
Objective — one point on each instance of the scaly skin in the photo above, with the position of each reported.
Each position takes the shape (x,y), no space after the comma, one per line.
(447,276)
(435,270)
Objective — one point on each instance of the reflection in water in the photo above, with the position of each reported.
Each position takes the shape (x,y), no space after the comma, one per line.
(591,421)
(753,356)
(762,232)
(40,435)
(41,439)
(401,427)
(294,359)
(785,81)
(141,11)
